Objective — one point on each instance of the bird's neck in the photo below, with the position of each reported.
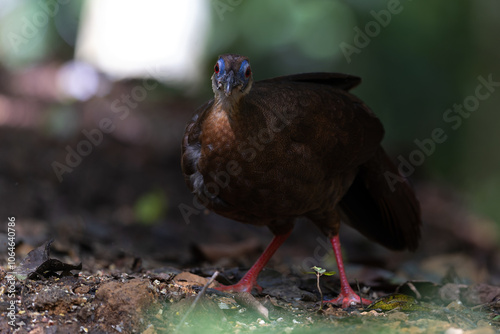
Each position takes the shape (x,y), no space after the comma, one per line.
(228,104)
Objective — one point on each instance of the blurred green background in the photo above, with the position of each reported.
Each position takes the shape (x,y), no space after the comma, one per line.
(417,59)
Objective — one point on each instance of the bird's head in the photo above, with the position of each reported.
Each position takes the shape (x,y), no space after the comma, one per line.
(232,77)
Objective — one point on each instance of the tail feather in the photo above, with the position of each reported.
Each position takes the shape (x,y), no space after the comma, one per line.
(385,212)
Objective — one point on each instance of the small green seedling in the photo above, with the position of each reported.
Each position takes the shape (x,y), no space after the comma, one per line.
(320,272)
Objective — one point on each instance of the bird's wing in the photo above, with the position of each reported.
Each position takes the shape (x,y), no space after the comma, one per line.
(382,206)
(191,146)
(331,122)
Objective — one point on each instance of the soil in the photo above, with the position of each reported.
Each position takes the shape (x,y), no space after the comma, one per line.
(144,264)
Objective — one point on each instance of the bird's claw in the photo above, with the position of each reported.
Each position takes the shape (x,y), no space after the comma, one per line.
(348,299)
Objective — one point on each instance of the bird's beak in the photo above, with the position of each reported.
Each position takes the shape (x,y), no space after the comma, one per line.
(229,83)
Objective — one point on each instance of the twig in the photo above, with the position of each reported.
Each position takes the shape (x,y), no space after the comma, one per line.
(247,300)
(359,294)
(193,305)
(320,292)
(414,289)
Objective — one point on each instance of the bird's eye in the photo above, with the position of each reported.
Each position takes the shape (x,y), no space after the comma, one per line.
(248,72)
(216,68)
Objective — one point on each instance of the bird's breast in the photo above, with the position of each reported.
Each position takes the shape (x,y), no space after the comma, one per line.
(251,170)
(217,135)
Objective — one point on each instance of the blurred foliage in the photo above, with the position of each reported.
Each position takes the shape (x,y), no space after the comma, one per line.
(427,58)
(151,207)
(35,31)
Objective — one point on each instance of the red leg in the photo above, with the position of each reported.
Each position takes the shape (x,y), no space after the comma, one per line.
(347,296)
(249,281)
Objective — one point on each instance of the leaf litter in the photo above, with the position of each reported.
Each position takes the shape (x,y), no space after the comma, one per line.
(174,301)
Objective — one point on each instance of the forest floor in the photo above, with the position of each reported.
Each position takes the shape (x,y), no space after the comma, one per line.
(164,300)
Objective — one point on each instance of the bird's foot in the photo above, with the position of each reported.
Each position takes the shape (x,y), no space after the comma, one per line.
(244,285)
(348,298)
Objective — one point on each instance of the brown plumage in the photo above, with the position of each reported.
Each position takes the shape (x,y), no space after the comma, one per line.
(268,152)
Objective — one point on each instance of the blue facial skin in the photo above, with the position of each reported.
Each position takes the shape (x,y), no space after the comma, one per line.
(245,73)
(229,80)
(222,67)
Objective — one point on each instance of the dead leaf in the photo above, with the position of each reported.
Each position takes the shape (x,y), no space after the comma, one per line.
(39,264)
(188,279)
